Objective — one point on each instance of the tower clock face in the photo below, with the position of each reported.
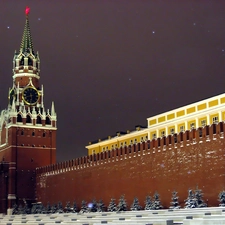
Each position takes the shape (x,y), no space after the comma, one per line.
(30,96)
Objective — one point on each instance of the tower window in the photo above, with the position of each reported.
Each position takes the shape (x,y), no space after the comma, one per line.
(30,62)
(48,121)
(22,132)
(33,134)
(28,120)
(19,118)
(38,120)
(44,134)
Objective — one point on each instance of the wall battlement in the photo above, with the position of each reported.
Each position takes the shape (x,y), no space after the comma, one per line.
(189,137)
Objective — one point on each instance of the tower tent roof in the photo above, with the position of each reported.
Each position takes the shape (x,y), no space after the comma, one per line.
(26,43)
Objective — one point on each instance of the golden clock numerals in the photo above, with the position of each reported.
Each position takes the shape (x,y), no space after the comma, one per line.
(30,96)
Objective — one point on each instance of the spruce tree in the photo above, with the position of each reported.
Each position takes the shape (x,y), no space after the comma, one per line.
(94,206)
(156,204)
(135,205)
(84,207)
(122,205)
(15,209)
(59,208)
(174,204)
(67,208)
(74,209)
(198,197)
(112,206)
(148,203)
(48,208)
(100,206)
(221,199)
(190,202)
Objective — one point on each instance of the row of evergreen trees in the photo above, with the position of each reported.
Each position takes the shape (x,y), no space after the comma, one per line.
(194,200)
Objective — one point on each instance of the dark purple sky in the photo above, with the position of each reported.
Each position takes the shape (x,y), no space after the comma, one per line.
(110,64)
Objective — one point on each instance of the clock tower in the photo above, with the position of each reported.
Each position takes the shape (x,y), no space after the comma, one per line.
(27,129)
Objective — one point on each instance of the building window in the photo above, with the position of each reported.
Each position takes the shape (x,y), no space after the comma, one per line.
(146,138)
(162,133)
(93,151)
(112,146)
(203,123)
(215,119)
(153,136)
(125,143)
(103,149)
(142,139)
(135,141)
(33,134)
(131,142)
(181,128)
(172,131)
(192,126)
(121,144)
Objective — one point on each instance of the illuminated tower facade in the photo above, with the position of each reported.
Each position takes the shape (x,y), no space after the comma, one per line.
(27,129)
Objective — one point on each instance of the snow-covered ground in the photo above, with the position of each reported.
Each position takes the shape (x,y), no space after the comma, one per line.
(210,215)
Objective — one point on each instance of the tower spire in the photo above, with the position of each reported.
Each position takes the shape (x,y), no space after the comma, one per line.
(26,43)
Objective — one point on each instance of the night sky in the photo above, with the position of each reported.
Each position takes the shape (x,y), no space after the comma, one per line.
(110,64)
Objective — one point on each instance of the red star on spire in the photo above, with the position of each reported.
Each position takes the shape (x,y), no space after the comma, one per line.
(27,10)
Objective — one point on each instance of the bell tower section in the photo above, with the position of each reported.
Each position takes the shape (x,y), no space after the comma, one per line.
(27,129)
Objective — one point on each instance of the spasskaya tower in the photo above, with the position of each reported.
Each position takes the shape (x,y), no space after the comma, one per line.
(27,129)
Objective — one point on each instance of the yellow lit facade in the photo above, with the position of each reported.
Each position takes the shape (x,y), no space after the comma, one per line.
(199,114)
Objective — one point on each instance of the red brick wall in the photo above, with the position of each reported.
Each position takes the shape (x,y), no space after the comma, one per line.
(28,151)
(192,161)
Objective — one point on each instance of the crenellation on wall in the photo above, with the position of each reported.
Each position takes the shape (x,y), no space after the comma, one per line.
(156,145)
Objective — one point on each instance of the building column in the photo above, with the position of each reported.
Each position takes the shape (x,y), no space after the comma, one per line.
(11,187)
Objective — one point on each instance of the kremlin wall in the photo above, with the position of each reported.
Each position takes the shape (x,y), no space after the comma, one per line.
(186,160)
